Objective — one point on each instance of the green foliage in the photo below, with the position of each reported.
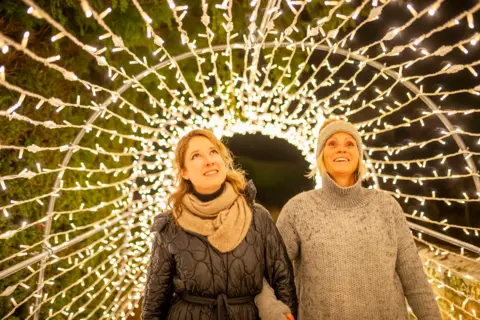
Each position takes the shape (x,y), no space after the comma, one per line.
(24,72)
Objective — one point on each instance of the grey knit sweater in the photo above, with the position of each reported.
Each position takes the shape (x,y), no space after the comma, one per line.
(354,256)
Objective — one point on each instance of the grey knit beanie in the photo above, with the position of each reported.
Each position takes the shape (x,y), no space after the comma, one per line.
(338,126)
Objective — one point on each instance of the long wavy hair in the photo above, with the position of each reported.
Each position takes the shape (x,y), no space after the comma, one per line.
(235,176)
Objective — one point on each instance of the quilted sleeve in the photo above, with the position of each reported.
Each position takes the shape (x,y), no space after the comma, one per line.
(279,270)
(159,285)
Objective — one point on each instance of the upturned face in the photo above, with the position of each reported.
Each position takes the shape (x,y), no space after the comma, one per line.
(340,155)
(204,166)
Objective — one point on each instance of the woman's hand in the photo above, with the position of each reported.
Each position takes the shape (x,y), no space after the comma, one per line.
(269,307)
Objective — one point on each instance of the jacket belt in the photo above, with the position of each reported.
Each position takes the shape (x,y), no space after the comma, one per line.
(221,302)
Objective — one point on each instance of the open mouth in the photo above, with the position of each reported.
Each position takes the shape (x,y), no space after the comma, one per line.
(211,173)
(341,159)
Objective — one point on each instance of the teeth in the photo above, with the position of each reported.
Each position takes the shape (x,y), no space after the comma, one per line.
(211,172)
(341,160)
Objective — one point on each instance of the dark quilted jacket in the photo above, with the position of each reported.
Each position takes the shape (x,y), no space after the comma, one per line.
(184,262)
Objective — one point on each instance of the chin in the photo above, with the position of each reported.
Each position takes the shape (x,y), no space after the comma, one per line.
(213,184)
(343,172)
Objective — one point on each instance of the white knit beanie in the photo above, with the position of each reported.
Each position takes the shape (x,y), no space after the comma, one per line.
(338,126)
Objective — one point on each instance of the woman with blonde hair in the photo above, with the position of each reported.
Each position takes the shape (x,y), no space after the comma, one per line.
(213,250)
(353,254)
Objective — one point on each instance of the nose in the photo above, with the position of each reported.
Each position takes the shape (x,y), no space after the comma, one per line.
(341,149)
(208,160)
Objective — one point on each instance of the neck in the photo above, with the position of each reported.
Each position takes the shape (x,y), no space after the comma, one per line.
(336,196)
(344,180)
(210,196)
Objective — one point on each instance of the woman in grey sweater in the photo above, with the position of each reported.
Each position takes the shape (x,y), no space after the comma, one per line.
(353,254)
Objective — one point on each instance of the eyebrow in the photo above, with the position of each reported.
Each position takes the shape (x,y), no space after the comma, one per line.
(346,139)
(194,151)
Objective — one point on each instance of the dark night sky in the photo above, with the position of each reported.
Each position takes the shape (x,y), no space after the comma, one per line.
(276,166)
(264,149)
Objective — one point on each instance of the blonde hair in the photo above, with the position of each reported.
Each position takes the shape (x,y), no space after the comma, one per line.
(235,177)
(322,169)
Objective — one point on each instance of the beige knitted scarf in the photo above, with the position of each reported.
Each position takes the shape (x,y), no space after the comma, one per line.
(224,220)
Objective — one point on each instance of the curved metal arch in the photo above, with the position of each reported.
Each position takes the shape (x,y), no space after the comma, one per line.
(458,139)
(408,84)
(413,88)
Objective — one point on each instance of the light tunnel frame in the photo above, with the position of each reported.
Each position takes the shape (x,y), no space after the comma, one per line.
(409,85)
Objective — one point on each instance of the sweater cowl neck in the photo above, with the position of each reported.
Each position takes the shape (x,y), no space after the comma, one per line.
(337,197)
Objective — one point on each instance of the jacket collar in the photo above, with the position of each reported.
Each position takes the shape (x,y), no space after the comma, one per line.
(250,193)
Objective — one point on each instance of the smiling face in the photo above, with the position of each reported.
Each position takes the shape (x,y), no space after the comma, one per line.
(340,155)
(203,165)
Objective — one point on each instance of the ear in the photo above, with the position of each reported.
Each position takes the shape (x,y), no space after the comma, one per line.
(184,174)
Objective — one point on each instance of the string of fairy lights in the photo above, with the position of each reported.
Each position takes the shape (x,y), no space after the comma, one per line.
(132,169)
